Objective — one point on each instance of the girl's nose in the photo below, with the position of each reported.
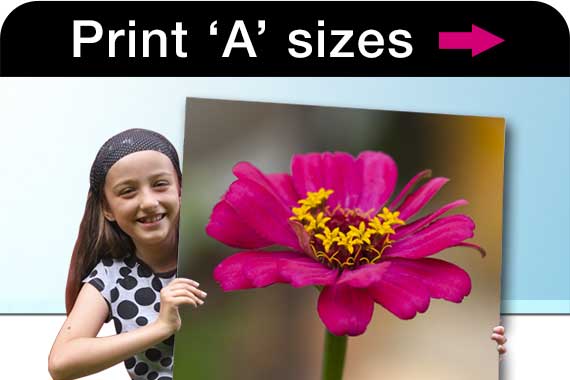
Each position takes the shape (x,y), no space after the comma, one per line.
(148,200)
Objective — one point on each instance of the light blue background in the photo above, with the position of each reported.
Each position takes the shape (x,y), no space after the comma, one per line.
(52,128)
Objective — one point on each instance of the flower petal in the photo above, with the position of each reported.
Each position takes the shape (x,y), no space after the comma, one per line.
(332,171)
(442,279)
(303,237)
(226,226)
(423,174)
(364,276)
(441,234)
(262,211)
(258,269)
(418,199)
(342,177)
(279,184)
(303,271)
(345,310)
(408,229)
(284,187)
(379,174)
(307,173)
(402,295)
(246,270)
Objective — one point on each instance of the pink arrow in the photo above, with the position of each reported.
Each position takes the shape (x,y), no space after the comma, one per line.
(478,40)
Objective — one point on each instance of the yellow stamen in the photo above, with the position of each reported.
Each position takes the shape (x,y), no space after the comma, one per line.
(329,237)
(300,213)
(317,223)
(391,217)
(359,235)
(346,241)
(315,199)
(358,245)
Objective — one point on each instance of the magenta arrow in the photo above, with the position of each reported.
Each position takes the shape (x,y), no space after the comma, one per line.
(478,40)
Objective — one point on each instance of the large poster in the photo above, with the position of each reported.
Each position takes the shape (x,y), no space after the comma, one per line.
(317,227)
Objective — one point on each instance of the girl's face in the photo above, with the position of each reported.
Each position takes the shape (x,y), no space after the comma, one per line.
(143,196)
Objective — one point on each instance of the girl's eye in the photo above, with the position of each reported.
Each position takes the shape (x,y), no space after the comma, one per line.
(127,191)
(161,183)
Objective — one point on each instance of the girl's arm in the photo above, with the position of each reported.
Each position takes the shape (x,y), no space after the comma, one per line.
(77,352)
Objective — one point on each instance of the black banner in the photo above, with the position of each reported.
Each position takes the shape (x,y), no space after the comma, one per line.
(284,39)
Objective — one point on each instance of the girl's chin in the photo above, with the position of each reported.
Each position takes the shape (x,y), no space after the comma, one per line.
(152,238)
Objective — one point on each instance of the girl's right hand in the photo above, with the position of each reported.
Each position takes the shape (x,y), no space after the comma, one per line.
(180,291)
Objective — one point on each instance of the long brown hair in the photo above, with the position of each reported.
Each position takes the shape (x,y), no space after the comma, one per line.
(97,239)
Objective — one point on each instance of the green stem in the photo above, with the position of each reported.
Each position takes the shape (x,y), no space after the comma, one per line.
(333,356)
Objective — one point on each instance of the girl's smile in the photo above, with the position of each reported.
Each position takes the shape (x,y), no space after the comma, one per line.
(152,220)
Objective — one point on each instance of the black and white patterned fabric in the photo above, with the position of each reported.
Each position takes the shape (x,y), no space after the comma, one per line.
(132,292)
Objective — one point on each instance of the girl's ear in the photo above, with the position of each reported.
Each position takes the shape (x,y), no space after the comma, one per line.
(107,212)
(109,216)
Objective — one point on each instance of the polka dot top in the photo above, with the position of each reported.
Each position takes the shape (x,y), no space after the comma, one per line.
(132,292)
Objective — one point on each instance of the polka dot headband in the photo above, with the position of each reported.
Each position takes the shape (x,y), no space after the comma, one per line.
(125,143)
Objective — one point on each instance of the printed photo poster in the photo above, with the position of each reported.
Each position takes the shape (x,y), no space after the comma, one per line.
(337,237)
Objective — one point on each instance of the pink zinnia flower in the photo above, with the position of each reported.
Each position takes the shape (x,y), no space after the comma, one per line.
(341,235)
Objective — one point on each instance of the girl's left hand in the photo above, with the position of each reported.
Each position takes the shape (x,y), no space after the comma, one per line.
(499,337)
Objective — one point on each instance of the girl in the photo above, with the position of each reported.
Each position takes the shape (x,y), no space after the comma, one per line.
(124,264)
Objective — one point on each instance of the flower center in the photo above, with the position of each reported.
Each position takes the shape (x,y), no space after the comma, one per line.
(344,238)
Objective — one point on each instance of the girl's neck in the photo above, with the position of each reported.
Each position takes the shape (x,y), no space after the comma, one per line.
(160,258)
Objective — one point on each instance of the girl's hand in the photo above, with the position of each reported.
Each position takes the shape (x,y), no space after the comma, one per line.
(180,291)
(499,337)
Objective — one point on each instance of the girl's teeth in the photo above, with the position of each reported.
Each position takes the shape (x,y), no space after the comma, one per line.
(152,219)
